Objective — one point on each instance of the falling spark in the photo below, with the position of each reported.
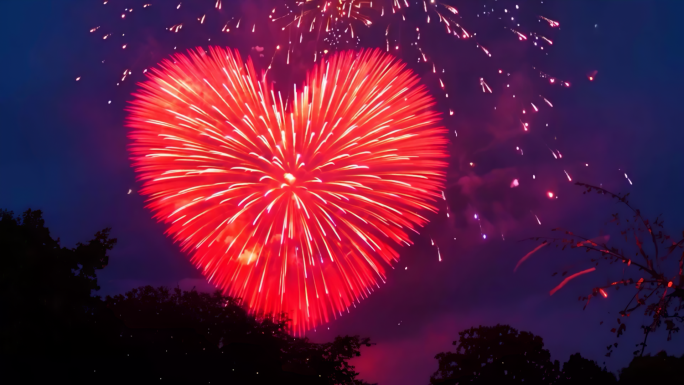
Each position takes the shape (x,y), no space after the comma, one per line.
(520,35)
(523,259)
(568,279)
(568,175)
(552,23)
(485,86)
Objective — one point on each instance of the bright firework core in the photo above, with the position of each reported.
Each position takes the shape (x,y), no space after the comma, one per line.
(290,178)
(293,207)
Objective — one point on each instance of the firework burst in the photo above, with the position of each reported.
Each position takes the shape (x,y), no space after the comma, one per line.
(296,206)
(497,86)
(329,14)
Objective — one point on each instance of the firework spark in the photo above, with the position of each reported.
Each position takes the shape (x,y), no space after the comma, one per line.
(330,15)
(568,279)
(523,259)
(293,207)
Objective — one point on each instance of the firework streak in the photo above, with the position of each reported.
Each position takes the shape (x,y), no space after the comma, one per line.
(295,207)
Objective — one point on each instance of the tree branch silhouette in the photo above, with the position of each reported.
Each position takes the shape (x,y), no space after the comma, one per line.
(659,288)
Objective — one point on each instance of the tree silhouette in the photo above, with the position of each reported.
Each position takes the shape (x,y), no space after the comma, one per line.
(45,289)
(652,269)
(496,355)
(193,337)
(658,369)
(502,355)
(579,370)
(55,330)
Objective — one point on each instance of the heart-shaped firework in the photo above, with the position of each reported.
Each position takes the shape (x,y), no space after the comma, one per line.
(293,207)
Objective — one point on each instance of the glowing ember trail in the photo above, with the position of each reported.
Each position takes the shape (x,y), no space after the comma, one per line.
(523,259)
(568,279)
(292,207)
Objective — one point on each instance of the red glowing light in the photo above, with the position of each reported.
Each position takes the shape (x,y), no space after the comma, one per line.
(550,194)
(603,293)
(297,207)
(570,278)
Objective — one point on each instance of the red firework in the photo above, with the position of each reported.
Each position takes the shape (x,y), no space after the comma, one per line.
(293,207)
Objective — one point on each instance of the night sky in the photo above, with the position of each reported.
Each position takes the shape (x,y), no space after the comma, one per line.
(63,150)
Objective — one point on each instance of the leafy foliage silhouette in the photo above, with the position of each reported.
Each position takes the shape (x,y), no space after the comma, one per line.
(496,355)
(54,329)
(41,280)
(658,369)
(174,330)
(502,355)
(579,370)
(653,271)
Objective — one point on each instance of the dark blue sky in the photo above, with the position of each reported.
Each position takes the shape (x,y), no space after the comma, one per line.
(63,150)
